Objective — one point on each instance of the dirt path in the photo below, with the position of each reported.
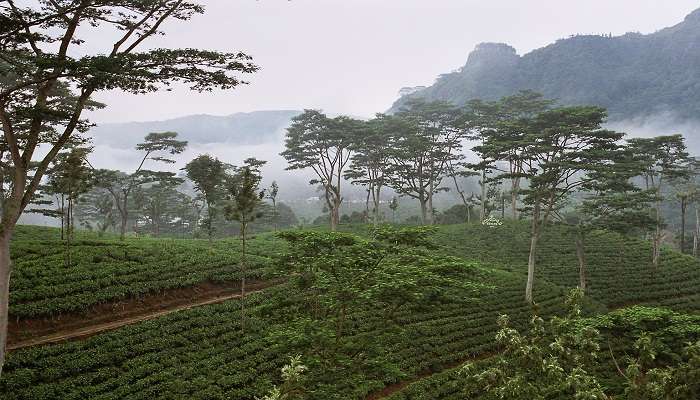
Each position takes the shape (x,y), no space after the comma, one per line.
(398,386)
(91,329)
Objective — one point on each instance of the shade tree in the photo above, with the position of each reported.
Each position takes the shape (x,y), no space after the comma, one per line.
(562,147)
(324,145)
(422,148)
(664,159)
(155,148)
(208,174)
(41,54)
(244,201)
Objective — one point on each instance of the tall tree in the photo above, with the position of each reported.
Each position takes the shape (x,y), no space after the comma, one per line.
(370,162)
(422,149)
(155,147)
(208,175)
(244,203)
(324,145)
(97,211)
(41,53)
(272,193)
(562,147)
(613,202)
(664,160)
(393,206)
(159,206)
(505,123)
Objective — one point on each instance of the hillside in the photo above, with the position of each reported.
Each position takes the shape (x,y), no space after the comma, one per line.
(631,75)
(200,353)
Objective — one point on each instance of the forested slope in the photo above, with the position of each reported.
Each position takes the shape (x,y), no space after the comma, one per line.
(631,75)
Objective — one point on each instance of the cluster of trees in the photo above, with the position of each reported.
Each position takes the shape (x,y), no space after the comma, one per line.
(49,75)
(145,200)
(557,163)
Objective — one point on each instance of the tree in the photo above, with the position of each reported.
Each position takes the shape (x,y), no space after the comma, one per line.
(159,205)
(325,145)
(561,147)
(121,186)
(244,201)
(664,158)
(272,195)
(208,175)
(97,207)
(393,206)
(686,193)
(612,202)
(72,177)
(505,123)
(370,162)
(422,150)
(40,55)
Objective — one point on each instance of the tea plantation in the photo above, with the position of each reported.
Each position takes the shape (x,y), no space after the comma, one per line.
(208,353)
(619,269)
(107,270)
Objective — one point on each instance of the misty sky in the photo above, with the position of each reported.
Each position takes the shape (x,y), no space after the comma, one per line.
(352,56)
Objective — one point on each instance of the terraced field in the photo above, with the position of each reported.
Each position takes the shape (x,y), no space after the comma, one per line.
(619,269)
(202,354)
(107,270)
(619,328)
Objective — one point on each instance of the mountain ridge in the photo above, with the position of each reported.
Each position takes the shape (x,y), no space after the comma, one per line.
(244,128)
(632,74)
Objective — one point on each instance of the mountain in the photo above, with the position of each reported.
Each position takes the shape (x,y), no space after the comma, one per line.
(632,75)
(251,128)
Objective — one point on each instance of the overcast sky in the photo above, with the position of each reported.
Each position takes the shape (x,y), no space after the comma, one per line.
(353,56)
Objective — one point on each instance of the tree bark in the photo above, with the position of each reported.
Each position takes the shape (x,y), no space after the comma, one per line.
(5,271)
(482,215)
(580,254)
(696,236)
(684,206)
(243,273)
(335,217)
(423,211)
(534,238)
(656,242)
(514,192)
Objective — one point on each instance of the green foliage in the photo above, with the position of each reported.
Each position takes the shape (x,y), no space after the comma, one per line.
(208,175)
(619,268)
(550,362)
(109,270)
(436,326)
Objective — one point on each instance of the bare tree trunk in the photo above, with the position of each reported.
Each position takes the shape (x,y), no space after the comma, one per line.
(274,215)
(580,254)
(63,218)
(514,191)
(482,215)
(122,229)
(503,206)
(696,235)
(335,217)
(423,211)
(656,241)
(684,206)
(534,238)
(69,232)
(5,271)
(243,274)
(430,204)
